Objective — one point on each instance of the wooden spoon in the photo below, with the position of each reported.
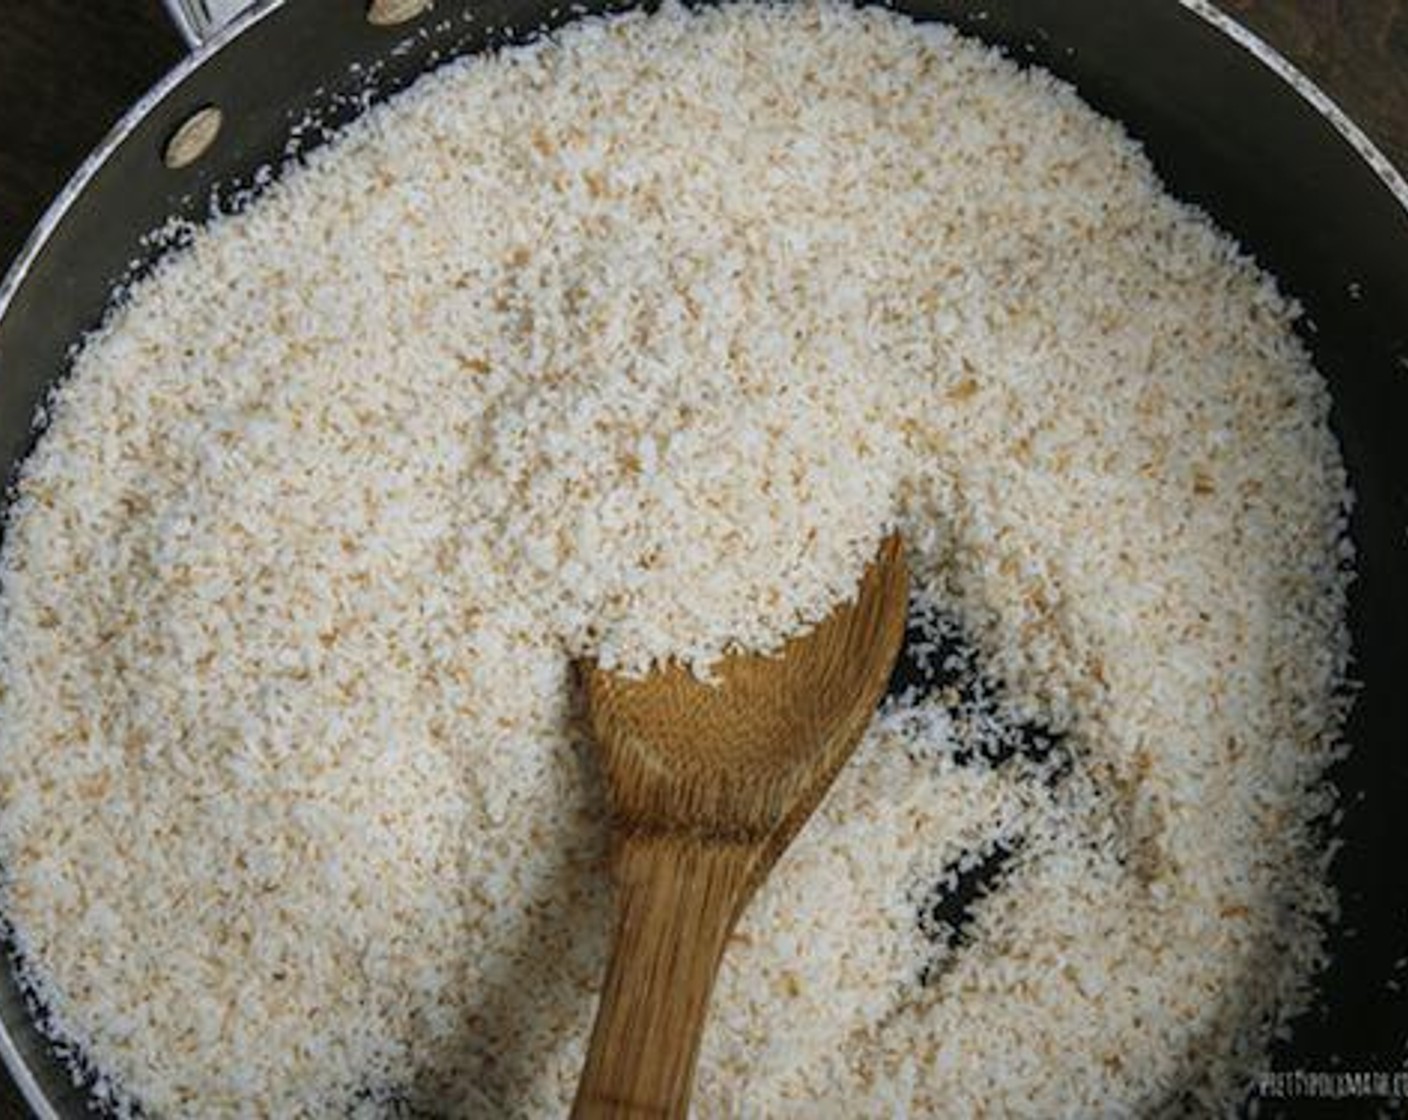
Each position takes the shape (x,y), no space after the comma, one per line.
(708,783)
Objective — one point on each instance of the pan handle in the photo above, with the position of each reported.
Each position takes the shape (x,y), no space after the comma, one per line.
(198,20)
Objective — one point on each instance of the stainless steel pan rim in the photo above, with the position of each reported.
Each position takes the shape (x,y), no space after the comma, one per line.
(205,48)
(115,138)
(1296,78)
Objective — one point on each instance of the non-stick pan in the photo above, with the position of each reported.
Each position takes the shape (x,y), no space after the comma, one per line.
(1231,127)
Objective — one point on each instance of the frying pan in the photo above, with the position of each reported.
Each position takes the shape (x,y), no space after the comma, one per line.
(1230,125)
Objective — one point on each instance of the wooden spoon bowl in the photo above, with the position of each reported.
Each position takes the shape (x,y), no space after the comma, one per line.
(708,783)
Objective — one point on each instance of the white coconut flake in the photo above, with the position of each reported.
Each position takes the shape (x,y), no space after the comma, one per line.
(633,345)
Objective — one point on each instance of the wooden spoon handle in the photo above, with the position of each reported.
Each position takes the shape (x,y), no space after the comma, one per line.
(677,901)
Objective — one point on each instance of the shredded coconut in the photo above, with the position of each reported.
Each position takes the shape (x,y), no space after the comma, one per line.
(633,344)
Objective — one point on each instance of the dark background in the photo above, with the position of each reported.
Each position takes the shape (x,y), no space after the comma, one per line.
(69,68)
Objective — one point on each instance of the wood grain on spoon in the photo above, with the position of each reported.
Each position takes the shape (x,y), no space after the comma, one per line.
(708,784)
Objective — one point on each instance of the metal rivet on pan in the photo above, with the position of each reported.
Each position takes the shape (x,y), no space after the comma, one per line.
(388,13)
(193,138)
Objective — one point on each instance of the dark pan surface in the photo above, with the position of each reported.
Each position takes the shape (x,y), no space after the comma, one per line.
(1224,131)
